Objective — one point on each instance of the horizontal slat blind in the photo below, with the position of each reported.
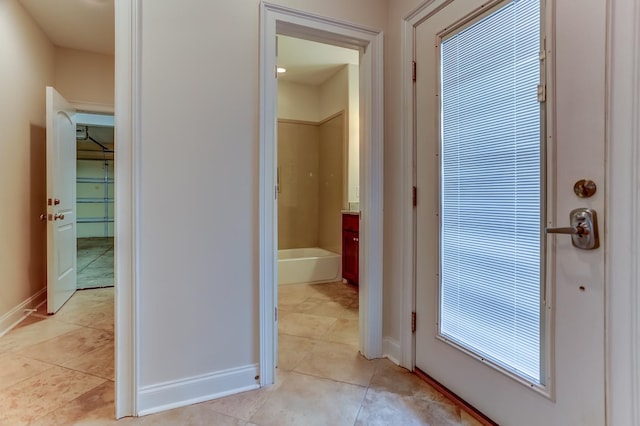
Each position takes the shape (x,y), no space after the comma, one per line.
(490,188)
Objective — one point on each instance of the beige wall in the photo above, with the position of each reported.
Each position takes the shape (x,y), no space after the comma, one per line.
(215,264)
(310,166)
(85,77)
(334,93)
(341,93)
(353,117)
(298,200)
(298,101)
(331,153)
(26,67)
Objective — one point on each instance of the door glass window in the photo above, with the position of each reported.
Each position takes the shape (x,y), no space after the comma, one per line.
(491,189)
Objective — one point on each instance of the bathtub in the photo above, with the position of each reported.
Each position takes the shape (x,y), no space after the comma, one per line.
(308,265)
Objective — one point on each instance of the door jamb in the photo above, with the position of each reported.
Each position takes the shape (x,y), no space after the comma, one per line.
(409,22)
(281,20)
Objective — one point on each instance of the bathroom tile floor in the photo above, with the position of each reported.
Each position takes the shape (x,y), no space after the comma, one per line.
(58,370)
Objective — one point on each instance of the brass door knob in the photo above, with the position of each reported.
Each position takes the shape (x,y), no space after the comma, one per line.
(58,216)
(584,188)
(43,217)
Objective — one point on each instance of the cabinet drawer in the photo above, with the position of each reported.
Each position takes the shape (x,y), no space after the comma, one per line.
(350,222)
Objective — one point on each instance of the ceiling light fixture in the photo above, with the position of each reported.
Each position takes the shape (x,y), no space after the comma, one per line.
(281,70)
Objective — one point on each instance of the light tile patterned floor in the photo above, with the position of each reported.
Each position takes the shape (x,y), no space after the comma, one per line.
(58,370)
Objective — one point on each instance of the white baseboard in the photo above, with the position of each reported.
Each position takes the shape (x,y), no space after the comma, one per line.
(12,318)
(192,390)
(391,349)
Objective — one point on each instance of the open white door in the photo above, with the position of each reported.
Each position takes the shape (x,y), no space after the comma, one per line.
(61,201)
(510,318)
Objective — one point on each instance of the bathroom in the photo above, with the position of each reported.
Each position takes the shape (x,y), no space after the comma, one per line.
(318,157)
(317,192)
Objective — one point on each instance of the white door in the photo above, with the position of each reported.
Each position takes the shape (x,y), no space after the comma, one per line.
(520,336)
(61,201)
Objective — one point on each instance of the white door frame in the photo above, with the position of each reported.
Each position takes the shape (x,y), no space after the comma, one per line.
(622,257)
(622,265)
(127,171)
(281,20)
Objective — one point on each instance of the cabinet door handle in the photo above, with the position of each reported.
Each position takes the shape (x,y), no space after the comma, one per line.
(356,239)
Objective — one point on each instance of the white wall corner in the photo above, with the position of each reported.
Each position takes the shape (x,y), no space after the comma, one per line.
(15,316)
(192,390)
(391,349)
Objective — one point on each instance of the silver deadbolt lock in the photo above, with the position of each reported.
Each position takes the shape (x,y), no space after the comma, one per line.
(583,229)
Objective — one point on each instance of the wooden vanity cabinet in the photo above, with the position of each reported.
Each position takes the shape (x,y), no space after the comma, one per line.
(350,247)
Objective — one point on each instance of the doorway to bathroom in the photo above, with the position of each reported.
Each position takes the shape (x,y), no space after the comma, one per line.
(276,22)
(95,200)
(317,184)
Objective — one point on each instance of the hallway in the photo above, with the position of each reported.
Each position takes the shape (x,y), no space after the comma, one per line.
(58,370)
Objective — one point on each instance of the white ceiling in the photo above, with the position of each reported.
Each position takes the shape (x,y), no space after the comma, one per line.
(308,62)
(89,25)
(76,24)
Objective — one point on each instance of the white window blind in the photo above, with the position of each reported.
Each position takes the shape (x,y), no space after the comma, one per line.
(490,295)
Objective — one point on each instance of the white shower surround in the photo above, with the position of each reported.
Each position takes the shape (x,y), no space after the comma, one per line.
(308,265)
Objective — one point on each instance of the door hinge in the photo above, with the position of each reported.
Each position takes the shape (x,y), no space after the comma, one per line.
(276,314)
(413,322)
(542,93)
(414,72)
(415,197)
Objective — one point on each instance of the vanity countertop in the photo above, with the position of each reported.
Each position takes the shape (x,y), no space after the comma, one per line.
(353,212)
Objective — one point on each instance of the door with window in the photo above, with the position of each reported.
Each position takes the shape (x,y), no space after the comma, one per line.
(510,115)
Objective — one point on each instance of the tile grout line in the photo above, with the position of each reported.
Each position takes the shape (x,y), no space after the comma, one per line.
(330,379)
(60,365)
(364,396)
(92,262)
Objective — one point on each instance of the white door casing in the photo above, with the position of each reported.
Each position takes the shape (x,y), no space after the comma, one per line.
(574,323)
(61,200)
(128,59)
(277,19)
